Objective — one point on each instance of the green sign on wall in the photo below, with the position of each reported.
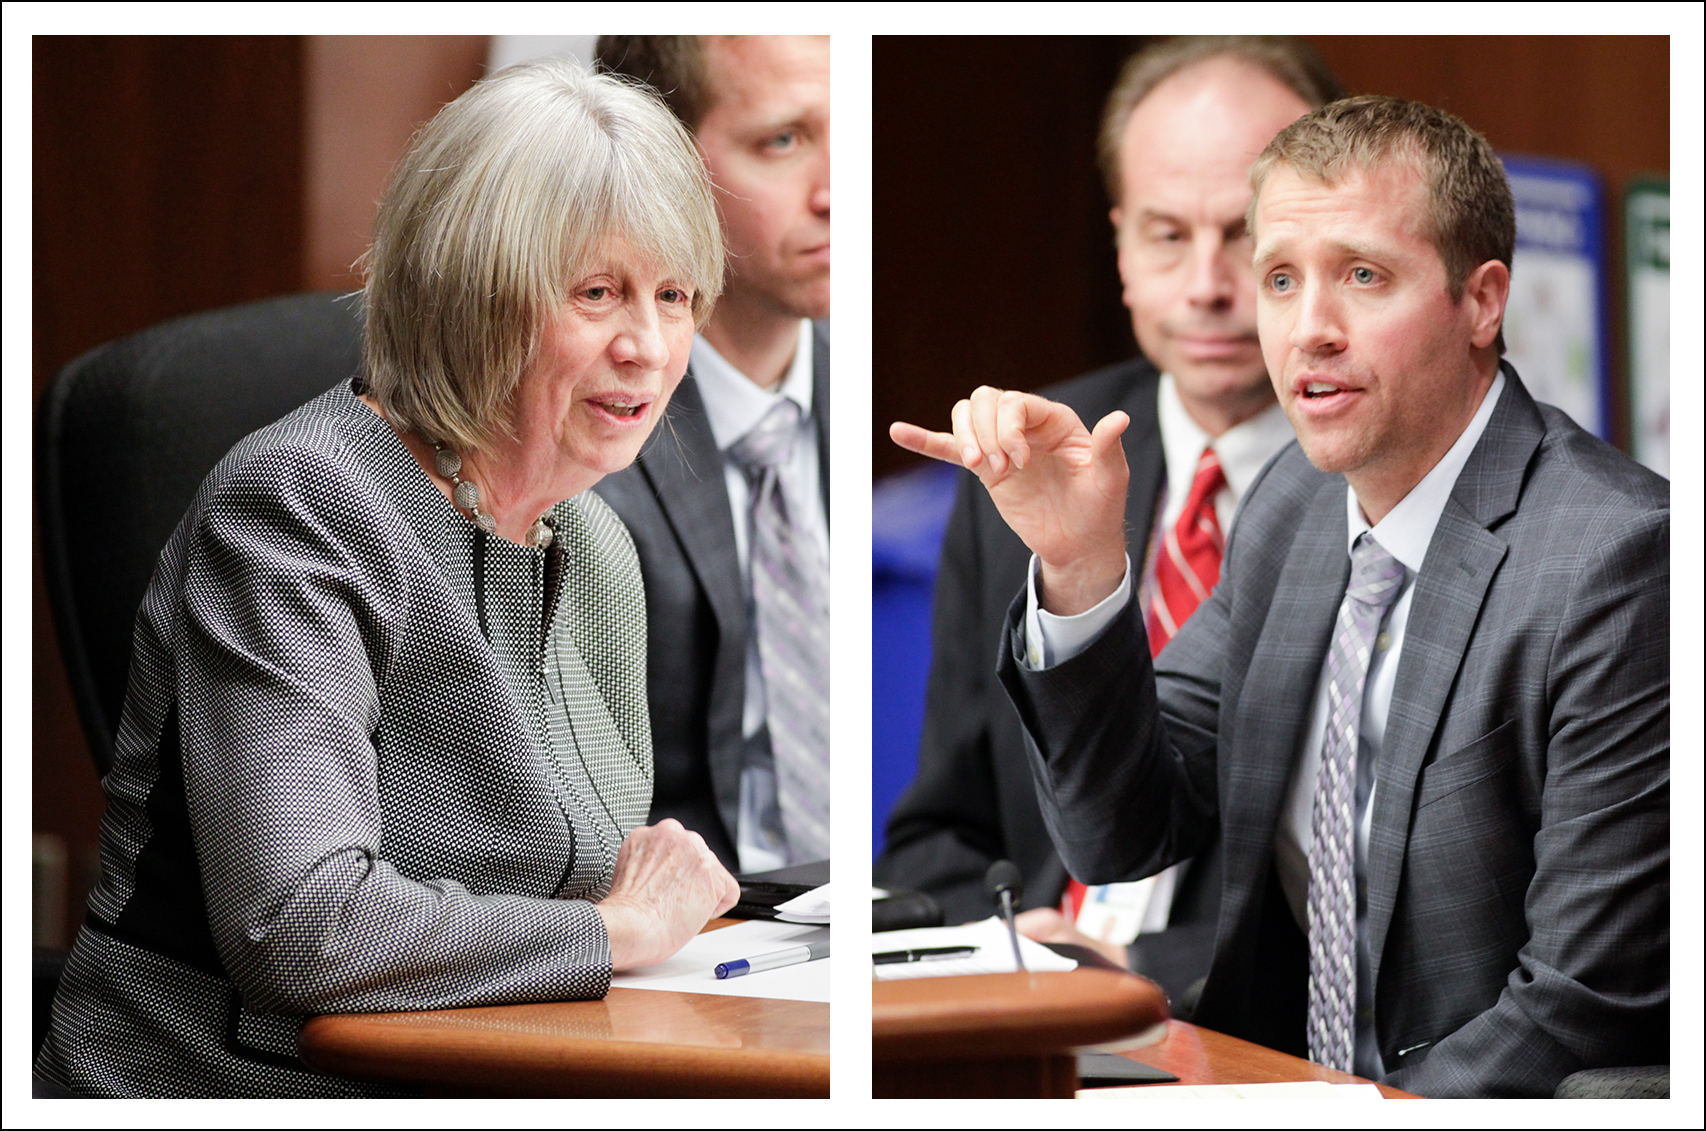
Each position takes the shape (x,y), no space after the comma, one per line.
(1646,227)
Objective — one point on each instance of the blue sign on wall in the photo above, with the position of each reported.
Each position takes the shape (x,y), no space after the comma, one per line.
(1556,319)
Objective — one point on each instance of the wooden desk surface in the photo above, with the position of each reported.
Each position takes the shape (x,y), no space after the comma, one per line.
(1202,1056)
(1008,1014)
(633,1043)
(998,1035)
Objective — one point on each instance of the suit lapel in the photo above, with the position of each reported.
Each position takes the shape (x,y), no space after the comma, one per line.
(1279,690)
(685,470)
(820,408)
(1148,466)
(1462,559)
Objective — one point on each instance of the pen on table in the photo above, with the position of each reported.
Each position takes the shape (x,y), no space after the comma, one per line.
(776,958)
(923,954)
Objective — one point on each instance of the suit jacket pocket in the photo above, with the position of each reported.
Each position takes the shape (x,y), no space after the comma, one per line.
(1481,759)
(1468,863)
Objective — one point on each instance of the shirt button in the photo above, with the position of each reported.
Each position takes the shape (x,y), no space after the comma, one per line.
(1383,641)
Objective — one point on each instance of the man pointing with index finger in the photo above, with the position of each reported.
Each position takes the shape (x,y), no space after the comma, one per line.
(1068,505)
(1181,126)
(1427,707)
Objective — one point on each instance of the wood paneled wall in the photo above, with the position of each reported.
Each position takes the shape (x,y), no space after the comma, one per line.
(365,96)
(993,258)
(178,174)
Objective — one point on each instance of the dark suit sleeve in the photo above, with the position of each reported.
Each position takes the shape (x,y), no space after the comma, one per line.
(1125,792)
(1592,984)
(945,831)
(973,800)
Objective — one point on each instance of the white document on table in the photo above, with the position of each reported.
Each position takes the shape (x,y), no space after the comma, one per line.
(994,954)
(693,968)
(812,907)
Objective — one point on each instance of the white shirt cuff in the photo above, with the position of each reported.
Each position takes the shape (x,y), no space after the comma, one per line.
(1051,639)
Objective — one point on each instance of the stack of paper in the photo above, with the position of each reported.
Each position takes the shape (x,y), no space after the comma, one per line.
(693,968)
(812,907)
(993,954)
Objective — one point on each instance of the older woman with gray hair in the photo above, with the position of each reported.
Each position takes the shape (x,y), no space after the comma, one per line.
(386,744)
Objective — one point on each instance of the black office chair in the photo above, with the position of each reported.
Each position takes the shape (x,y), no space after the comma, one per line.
(1648,1083)
(124,436)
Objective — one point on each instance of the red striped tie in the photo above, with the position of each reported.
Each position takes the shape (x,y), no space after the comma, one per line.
(1187,566)
(1187,563)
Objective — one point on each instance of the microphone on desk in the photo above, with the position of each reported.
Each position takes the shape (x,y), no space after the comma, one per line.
(1007,885)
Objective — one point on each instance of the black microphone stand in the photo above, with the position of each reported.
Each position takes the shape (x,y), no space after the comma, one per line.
(1007,885)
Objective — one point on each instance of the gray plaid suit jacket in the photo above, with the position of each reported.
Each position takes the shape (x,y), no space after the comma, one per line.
(1519,856)
(675,504)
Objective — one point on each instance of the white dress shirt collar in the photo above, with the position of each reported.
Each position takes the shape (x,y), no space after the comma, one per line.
(1408,527)
(733,402)
(1243,450)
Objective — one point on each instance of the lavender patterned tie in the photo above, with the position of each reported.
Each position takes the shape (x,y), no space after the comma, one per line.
(1376,578)
(790,608)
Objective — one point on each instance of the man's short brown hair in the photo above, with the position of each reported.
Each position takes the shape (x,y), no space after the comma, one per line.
(672,65)
(1471,216)
(1289,61)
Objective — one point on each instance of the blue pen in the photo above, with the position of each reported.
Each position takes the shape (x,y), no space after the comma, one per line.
(776,958)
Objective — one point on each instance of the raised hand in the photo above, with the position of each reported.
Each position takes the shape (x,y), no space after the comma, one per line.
(1060,486)
(667,885)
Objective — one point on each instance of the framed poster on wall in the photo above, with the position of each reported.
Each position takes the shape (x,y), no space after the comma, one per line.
(1646,243)
(1555,321)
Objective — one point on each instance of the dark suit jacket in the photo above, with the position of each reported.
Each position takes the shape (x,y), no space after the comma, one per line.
(675,504)
(1518,864)
(974,801)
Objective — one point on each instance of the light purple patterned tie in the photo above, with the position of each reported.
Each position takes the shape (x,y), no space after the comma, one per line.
(1376,578)
(790,600)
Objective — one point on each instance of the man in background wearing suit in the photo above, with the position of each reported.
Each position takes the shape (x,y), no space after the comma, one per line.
(728,504)
(1427,707)
(1182,125)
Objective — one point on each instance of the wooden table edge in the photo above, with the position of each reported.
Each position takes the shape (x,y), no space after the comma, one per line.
(1185,1043)
(343,1045)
